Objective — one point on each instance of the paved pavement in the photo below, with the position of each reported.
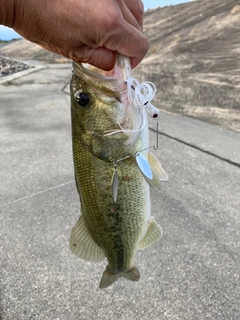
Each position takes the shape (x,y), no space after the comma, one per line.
(192,273)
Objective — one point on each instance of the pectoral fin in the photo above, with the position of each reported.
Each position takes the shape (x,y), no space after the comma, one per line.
(83,245)
(154,233)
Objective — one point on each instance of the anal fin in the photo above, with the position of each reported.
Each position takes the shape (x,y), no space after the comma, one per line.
(154,233)
(83,245)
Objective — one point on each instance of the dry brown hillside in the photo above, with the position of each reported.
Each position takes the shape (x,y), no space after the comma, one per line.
(23,49)
(194,60)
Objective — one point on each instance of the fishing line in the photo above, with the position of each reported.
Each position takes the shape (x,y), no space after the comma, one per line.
(37,193)
(125,130)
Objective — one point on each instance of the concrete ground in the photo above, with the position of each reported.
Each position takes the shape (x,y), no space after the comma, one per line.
(193,272)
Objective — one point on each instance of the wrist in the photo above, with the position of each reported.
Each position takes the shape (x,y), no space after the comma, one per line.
(7,12)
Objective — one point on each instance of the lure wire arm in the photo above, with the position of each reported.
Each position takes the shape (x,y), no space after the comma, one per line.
(114,182)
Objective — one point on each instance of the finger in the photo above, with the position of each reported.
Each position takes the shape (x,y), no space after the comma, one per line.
(101,57)
(129,16)
(128,41)
(137,9)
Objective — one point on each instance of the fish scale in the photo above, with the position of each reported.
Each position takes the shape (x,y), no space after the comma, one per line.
(97,202)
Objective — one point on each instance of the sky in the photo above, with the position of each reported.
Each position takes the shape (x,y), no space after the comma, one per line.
(9,34)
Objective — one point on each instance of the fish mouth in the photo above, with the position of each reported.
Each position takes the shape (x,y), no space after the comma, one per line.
(105,82)
(120,71)
(112,84)
(130,121)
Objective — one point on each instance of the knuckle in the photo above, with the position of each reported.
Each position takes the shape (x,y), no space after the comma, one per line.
(111,28)
(80,55)
(112,20)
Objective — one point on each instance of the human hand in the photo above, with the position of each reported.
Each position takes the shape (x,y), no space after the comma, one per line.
(85,31)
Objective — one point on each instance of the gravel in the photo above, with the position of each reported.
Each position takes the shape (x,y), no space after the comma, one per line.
(8,66)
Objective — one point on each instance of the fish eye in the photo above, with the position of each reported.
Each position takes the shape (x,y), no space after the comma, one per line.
(82,99)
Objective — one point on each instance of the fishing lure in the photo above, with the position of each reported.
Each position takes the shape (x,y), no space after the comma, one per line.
(139,95)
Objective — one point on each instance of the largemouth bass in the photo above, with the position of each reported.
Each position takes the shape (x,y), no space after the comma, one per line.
(113,170)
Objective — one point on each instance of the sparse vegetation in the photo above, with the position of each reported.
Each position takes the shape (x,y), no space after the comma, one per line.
(9,41)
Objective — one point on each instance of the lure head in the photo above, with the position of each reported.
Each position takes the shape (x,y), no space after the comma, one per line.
(102,116)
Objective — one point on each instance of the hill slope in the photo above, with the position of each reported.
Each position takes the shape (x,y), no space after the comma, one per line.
(194,60)
(24,49)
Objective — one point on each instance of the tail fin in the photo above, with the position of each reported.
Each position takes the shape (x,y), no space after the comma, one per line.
(108,278)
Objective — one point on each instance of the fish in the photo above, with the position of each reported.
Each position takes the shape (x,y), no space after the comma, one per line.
(114,169)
